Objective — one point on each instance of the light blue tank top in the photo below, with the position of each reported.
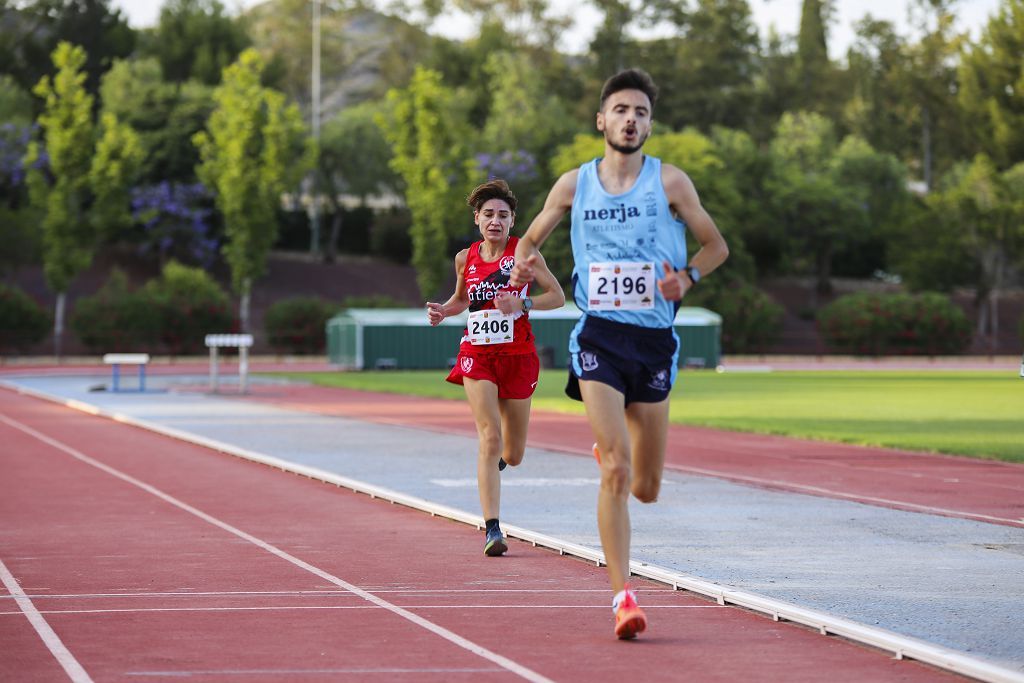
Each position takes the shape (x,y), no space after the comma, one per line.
(634,226)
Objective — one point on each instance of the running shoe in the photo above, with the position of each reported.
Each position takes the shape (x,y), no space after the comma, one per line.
(597,454)
(630,620)
(502,464)
(495,544)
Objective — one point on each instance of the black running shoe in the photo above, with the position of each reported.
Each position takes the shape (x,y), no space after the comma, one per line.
(502,464)
(495,543)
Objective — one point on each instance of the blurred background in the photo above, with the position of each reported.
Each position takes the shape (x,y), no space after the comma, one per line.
(177,169)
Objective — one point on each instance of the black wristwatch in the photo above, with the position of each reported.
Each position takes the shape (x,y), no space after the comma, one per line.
(692,273)
(527,304)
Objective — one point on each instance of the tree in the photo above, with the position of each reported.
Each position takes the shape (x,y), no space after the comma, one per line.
(428,132)
(812,63)
(253,150)
(31,31)
(932,80)
(353,159)
(165,115)
(195,40)
(992,86)
(826,194)
(707,74)
(83,193)
(984,210)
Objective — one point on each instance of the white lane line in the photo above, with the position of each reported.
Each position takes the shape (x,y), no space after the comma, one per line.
(303,672)
(647,607)
(450,636)
(53,643)
(324,593)
(856,498)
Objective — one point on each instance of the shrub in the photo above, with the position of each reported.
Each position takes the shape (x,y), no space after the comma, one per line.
(389,236)
(373,301)
(23,322)
(191,305)
(117,319)
(299,325)
(872,323)
(751,320)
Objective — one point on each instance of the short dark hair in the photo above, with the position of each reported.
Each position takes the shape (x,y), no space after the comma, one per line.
(630,79)
(495,188)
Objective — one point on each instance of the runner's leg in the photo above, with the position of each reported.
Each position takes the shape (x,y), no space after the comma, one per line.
(648,433)
(483,399)
(515,422)
(605,412)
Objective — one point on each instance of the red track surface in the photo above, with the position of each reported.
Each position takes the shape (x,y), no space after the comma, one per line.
(147,555)
(981,490)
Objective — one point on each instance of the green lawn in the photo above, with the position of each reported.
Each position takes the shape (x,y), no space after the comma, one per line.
(969,413)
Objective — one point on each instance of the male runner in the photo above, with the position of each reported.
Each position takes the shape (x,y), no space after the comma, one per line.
(629,216)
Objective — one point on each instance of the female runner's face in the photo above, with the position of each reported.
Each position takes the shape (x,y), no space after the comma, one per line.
(495,220)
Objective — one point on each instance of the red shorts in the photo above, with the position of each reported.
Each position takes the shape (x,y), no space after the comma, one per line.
(515,376)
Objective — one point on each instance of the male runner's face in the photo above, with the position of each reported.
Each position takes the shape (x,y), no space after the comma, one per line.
(494,220)
(625,120)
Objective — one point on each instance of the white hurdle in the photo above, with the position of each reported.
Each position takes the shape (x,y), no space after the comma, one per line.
(116,360)
(242,342)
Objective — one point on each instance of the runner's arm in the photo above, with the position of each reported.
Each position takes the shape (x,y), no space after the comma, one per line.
(683,199)
(558,202)
(459,300)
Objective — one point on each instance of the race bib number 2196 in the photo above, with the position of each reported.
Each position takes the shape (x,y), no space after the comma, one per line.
(621,286)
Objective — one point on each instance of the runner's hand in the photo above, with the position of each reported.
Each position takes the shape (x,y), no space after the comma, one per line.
(673,287)
(506,302)
(435,313)
(522,272)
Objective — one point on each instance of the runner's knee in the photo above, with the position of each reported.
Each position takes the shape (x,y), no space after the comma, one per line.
(513,456)
(646,490)
(615,478)
(490,440)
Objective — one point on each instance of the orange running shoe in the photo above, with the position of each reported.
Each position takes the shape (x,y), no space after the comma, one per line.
(630,620)
(597,453)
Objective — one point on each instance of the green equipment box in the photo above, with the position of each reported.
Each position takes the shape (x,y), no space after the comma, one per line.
(389,338)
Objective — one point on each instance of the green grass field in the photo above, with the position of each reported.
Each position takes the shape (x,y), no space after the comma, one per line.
(969,413)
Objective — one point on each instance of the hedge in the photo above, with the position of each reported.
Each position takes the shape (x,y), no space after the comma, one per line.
(116,318)
(871,323)
(23,322)
(751,319)
(298,325)
(191,305)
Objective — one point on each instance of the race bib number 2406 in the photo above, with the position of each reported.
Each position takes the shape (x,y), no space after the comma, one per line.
(489,327)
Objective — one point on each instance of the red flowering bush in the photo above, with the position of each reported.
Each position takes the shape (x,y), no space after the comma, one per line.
(874,324)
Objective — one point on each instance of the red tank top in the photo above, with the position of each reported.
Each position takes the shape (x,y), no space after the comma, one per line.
(483,280)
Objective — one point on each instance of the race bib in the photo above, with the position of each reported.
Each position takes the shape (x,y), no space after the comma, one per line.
(625,286)
(489,326)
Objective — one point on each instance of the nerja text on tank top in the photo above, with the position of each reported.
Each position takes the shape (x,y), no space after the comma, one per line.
(619,244)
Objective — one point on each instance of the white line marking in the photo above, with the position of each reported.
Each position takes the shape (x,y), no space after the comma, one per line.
(346,607)
(857,498)
(294,672)
(534,482)
(63,656)
(323,593)
(450,636)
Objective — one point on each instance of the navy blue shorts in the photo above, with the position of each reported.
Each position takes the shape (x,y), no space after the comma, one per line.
(639,362)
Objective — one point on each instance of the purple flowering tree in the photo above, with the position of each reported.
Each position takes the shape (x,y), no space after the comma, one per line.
(513,166)
(175,219)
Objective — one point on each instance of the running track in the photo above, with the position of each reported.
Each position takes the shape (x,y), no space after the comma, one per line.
(968,488)
(138,556)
